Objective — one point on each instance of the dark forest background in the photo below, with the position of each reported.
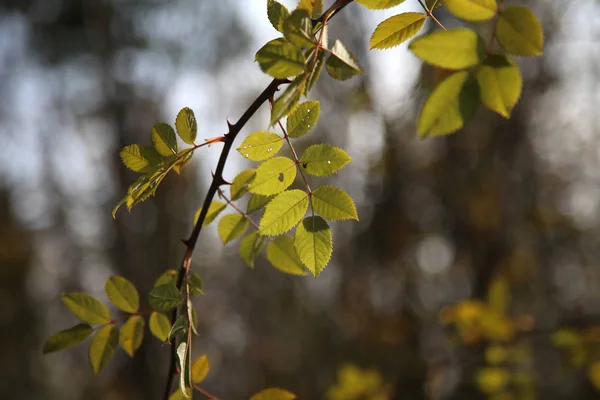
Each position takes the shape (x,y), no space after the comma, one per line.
(440,218)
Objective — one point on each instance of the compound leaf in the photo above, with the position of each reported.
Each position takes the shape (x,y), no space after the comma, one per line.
(297,29)
(256,202)
(290,97)
(239,185)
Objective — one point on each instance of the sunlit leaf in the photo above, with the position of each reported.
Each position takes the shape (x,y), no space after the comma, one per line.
(333,203)
(67,338)
(450,105)
(260,145)
(186,125)
(87,308)
(451,49)
(472,10)
(341,63)
(140,158)
(239,185)
(200,368)
(183,159)
(165,297)
(323,159)
(282,255)
(160,325)
(290,97)
(314,244)
(273,394)
(283,212)
(314,7)
(132,334)
(232,226)
(256,202)
(500,84)
(169,275)
(277,14)
(379,4)
(297,29)
(122,293)
(519,32)
(250,247)
(492,379)
(280,59)
(103,347)
(396,30)
(315,69)
(273,176)
(214,210)
(303,118)
(164,139)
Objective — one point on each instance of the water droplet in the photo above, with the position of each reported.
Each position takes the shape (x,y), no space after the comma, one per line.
(328,162)
(308,110)
(246,155)
(269,150)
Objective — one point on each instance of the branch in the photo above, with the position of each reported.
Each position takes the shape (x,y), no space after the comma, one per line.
(218,180)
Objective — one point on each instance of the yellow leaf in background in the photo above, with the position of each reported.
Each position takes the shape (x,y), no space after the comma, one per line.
(200,369)
(499,294)
(495,354)
(594,374)
(492,380)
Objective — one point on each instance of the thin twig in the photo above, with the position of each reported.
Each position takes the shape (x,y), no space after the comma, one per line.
(204,392)
(430,14)
(236,208)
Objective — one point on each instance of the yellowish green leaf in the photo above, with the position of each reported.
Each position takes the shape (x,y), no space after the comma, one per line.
(160,325)
(122,293)
(169,275)
(594,374)
(183,159)
(239,185)
(186,125)
(273,394)
(277,14)
(280,59)
(87,308)
(290,97)
(103,347)
(214,210)
(165,297)
(303,118)
(333,203)
(519,32)
(140,158)
(500,84)
(196,284)
(250,248)
(67,338)
(315,69)
(200,368)
(341,63)
(283,212)
(232,226)
(499,294)
(297,29)
(323,159)
(273,176)
(256,202)
(396,30)
(132,334)
(260,145)
(164,139)
(282,255)
(379,4)
(472,10)
(314,244)
(451,49)
(492,379)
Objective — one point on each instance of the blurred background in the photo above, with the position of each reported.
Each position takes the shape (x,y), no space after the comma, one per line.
(504,213)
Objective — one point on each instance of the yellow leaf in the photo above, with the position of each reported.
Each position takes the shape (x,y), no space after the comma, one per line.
(520,32)
(200,369)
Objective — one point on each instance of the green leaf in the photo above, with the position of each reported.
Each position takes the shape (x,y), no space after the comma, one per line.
(144,187)
(260,145)
(181,324)
(160,325)
(87,308)
(313,243)
(451,49)
(341,63)
(500,84)
(256,202)
(103,347)
(282,254)
(183,159)
(297,29)
(286,102)
(132,334)
(449,106)
(273,176)
(239,186)
(250,248)
(273,394)
(333,203)
(165,297)
(186,125)
(122,293)
(280,59)
(472,10)
(313,7)
(283,212)
(164,139)
(67,338)
(323,159)
(214,210)
(200,368)
(315,70)
(168,276)
(396,30)
(277,14)
(140,158)
(232,226)
(519,32)
(303,118)
(183,354)
(196,285)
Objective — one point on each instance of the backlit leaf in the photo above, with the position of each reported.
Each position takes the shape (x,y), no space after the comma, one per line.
(165,297)
(314,7)
(500,84)
(280,59)
(260,145)
(214,210)
(323,159)
(169,275)
(303,118)
(273,176)
(250,248)
(164,139)
(297,29)
(122,293)
(183,159)
(315,69)
(277,14)
(103,347)
(451,49)
(256,202)
(472,10)
(341,63)
(273,394)
(239,185)
(283,212)
(200,368)
(87,308)
(132,334)
(520,32)
(313,243)
(186,125)
(67,338)
(140,158)
(379,4)
(396,30)
(232,226)
(290,97)
(160,325)
(333,203)
(492,379)
(282,254)
(449,106)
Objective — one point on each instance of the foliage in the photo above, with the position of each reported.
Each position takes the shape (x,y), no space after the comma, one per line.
(294,229)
